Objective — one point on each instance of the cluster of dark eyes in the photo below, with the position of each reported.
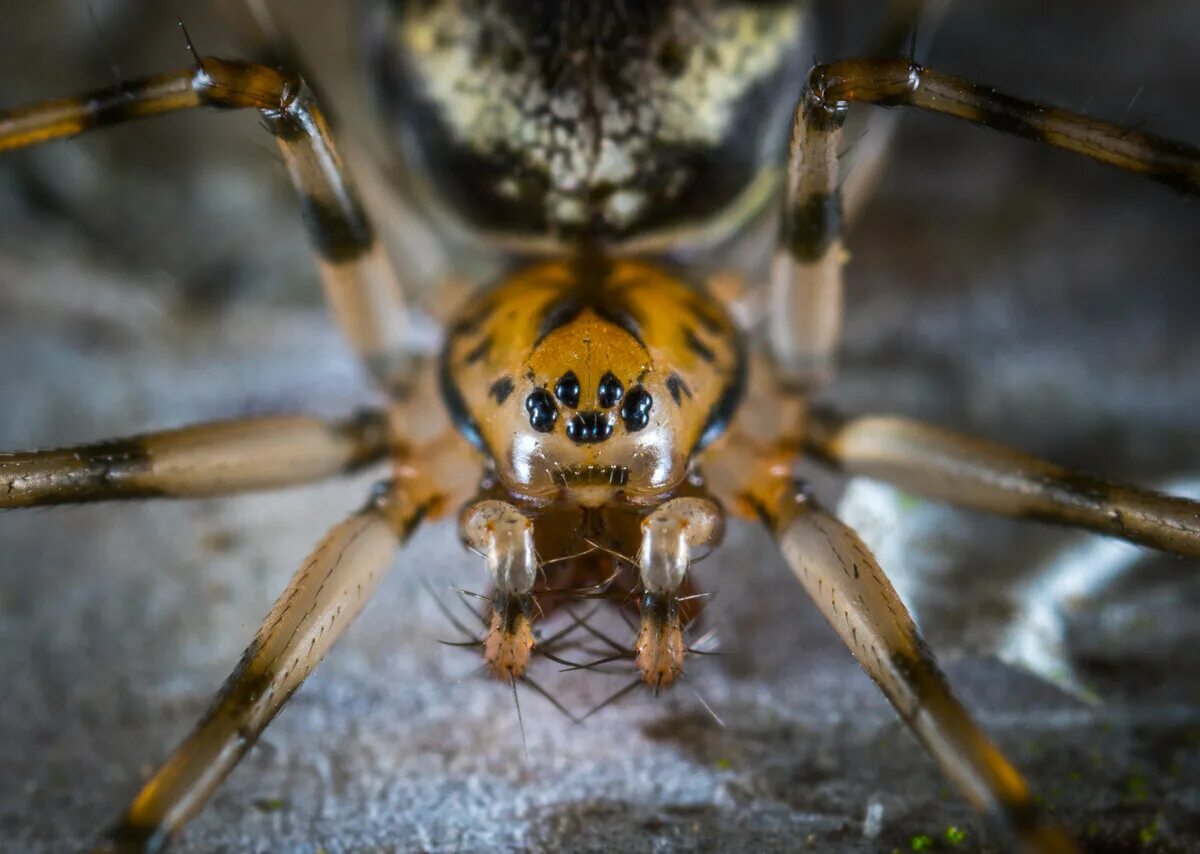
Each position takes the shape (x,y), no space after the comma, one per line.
(593,426)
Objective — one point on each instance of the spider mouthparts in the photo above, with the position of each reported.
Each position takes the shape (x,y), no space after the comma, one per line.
(509,639)
(660,645)
(592,475)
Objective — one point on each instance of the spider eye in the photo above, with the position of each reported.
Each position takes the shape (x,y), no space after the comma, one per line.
(635,411)
(567,389)
(610,392)
(542,411)
(589,427)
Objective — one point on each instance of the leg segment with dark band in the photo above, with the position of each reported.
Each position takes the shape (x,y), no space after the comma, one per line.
(857,599)
(360,284)
(985,476)
(203,460)
(806,290)
(671,536)
(321,601)
(504,536)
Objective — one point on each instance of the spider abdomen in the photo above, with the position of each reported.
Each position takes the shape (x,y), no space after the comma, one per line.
(587,117)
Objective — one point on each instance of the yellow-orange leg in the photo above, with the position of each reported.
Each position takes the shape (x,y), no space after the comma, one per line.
(201,460)
(360,285)
(323,598)
(985,476)
(860,603)
(804,325)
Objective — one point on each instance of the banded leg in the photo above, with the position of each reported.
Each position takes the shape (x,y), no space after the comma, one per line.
(360,285)
(804,325)
(806,287)
(202,460)
(323,598)
(985,476)
(857,599)
(908,31)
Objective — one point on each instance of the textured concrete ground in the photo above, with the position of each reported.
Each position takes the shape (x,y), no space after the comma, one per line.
(157,275)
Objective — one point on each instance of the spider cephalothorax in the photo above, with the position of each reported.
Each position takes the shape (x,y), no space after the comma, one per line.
(585,382)
(594,385)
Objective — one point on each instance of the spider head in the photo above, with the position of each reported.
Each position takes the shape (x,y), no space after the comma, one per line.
(583,383)
(593,420)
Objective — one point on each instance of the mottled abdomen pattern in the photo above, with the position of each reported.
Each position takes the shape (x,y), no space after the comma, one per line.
(568,117)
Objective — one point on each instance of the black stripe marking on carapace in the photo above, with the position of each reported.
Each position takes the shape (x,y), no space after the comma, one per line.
(501,389)
(570,306)
(621,317)
(456,405)
(813,225)
(558,314)
(697,346)
(704,313)
(338,234)
(479,351)
(678,389)
(723,410)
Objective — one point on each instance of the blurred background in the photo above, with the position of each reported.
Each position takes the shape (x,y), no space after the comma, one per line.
(157,274)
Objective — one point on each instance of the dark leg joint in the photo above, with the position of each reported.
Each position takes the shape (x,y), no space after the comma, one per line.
(339,233)
(813,226)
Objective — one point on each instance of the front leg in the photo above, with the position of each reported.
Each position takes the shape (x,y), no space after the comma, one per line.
(360,284)
(219,458)
(983,475)
(322,600)
(805,320)
(755,481)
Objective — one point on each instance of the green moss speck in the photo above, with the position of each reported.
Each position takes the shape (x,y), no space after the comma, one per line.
(921,842)
(1148,834)
(907,503)
(1137,789)
(955,835)
(270,804)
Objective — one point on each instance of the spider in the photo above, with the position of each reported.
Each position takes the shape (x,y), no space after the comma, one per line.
(595,411)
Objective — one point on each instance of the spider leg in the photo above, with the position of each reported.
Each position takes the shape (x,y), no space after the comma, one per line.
(360,284)
(985,476)
(804,324)
(908,30)
(204,459)
(857,599)
(320,602)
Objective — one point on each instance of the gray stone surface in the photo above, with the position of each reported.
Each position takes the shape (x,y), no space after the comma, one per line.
(156,275)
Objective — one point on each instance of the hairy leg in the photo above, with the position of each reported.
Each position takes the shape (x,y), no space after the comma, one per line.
(202,460)
(857,599)
(322,600)
(360,285)
(986,476)
(804,326)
